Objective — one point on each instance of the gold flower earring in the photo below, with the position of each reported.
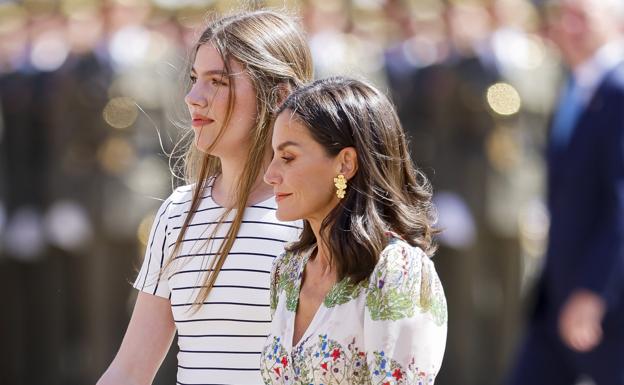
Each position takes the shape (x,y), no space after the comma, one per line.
(341,185)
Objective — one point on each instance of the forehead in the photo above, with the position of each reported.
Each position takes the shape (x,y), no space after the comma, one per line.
(288,127)
(208,58)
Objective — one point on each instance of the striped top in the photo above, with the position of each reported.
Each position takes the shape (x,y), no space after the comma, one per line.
(221,342)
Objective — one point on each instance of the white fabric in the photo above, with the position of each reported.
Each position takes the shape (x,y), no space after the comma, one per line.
(589,74)
(221,342)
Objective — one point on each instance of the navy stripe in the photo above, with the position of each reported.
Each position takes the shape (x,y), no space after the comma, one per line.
(200,270)
(223,303)
(219,207)
(222,335)
(223,319)
(222,286)
(217,368)
(236,253)
(264,207)
(216,352)
(256,222)
(238,237)
(153,235)
(196,211)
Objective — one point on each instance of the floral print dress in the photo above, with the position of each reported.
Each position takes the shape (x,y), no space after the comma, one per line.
(389,329)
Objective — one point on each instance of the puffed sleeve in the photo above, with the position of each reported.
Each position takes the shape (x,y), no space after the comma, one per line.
(150,279)
(405,318)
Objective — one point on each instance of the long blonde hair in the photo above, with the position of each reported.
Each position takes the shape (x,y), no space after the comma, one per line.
(274,52)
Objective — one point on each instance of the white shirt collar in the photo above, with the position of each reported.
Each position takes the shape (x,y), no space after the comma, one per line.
(589,74)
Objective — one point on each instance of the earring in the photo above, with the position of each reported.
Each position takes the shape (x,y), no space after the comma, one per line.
(341,185)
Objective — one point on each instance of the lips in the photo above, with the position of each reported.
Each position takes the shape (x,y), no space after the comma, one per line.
(201,120)
(281,196)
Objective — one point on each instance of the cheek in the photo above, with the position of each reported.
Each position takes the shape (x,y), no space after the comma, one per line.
(315,185)
(242,122)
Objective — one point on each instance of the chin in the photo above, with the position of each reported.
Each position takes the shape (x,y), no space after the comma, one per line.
(285,216)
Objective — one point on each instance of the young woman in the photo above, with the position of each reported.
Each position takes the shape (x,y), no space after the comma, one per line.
(206,268)
(356,300)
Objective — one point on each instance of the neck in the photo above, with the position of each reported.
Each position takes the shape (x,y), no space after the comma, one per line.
(226,185)
(322,251)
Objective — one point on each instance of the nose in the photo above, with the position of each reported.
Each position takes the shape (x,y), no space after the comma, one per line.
(272,176)
(195,98)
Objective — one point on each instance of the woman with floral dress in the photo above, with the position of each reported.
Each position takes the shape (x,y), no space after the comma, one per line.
(356,300)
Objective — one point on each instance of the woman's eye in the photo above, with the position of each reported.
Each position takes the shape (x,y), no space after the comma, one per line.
(218,82)
(286,159)
(193,79)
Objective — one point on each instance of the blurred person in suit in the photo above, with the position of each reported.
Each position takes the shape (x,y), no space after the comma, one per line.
(575,329)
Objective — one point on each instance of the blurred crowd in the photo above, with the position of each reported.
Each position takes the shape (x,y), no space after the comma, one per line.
(91,106)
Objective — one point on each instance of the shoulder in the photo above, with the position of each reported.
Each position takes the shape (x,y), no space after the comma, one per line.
(179,196)
(175,204)
(399,256)
(288,264)
(403,281)
(181,199)
(285,276)
(616,77)
(613,83)
(182,195)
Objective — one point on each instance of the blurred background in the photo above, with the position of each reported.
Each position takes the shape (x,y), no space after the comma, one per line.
(90,91)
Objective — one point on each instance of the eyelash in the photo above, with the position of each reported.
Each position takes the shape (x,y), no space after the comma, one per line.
(213,81)
(218,82)
(286,159)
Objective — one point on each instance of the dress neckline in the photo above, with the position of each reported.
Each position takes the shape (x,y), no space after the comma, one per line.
(321,308)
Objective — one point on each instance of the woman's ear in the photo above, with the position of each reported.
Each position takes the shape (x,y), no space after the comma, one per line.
(348,162)
(281,92)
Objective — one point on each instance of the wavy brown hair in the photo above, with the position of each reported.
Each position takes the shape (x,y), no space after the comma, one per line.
(387,192)
(274,53)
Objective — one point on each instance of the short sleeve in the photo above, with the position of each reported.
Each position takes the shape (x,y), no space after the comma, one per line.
(150,279)
(405,321)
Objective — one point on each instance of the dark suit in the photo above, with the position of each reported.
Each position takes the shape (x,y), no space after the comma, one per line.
(586,244)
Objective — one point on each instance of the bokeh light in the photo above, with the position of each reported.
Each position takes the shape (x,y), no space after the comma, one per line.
(503,99)
(120,112)
(116,155)
(49,52)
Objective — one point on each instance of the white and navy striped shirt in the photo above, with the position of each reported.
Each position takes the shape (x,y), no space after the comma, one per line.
(221,342)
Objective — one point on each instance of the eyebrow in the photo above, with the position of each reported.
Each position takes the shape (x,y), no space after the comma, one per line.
(286,144)
(221,72)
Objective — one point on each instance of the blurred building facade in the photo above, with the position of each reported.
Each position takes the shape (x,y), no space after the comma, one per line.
(91,103)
